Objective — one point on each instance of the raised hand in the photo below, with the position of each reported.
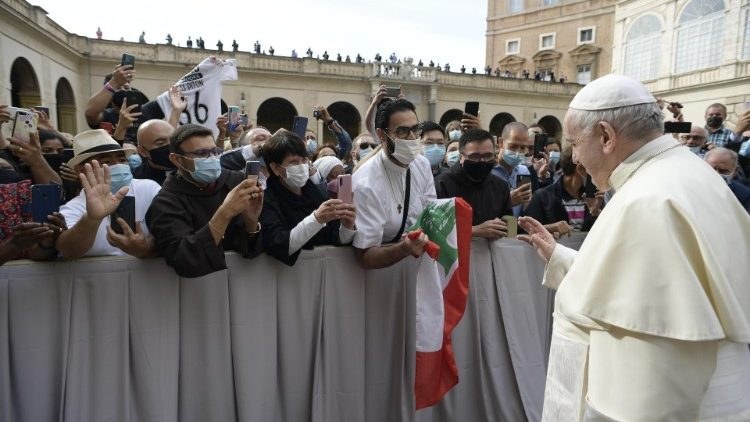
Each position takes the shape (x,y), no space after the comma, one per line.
(538,237)
(96,181)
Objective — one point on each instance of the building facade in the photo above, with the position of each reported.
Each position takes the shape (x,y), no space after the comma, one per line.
(551,39)
(696,52)
(43,64)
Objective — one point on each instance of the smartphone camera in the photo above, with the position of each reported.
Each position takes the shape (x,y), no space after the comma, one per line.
(316,114)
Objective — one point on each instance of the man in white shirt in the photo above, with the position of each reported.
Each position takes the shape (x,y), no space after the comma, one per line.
(381,184)
(106,179)
(652,315)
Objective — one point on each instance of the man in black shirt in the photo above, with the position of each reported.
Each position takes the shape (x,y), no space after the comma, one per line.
(471,179)
(153,146)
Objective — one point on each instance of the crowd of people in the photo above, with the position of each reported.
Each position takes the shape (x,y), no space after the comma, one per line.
(191,200)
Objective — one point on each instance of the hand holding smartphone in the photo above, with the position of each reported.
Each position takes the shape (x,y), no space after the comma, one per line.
(252,170)
(24,124)
(472,107)
(128,60)
(299,126)
(345,188)
(392,91)
(540,142)
(126,211)
(45,199)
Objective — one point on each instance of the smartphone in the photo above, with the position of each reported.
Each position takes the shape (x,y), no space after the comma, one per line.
(126,211)
(540,142)
(45,199)
(252,170)
(127,60)
(472,107)
(512,223)
(392,91)
(299,126)
(6,130)
(522,179)
(589,189)
(24,124)
(233,118)
(42,109)
(677,127)
(132,97)
(345,188)
(244,120)
(67,154)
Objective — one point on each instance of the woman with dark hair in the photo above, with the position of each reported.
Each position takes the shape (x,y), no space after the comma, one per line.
(296,214)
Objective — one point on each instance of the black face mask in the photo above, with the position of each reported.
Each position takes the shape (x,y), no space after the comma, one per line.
(54,161)
(714,121)
(9,176)
(160,157)
(477,170)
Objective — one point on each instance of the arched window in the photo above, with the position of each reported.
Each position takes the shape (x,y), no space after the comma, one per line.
(700,36)
(643,48)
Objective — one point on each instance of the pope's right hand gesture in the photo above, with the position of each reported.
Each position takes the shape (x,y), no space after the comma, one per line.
(96,180)
(538,237)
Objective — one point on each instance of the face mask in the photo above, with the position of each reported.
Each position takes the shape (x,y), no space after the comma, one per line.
(554,156)
(745,147)
(333,186)
(512,158)
(477,170)
(8,176)
(297,175)
(312,146)
(695,150)
(54,161)
(121,176)
(454,135)
(451,157)
(714,121)
(207,170)
(160,157)
(435,153)
(406,150)
(364,153)
(135,161)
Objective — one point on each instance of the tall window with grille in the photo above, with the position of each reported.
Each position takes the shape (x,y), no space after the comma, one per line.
(700,36)
(583,74)
(643,48)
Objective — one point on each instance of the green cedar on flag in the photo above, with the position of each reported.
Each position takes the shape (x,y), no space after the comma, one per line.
(442,290)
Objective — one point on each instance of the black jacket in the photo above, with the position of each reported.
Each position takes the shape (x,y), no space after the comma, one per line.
(178,219)
(489,198)
(546,206)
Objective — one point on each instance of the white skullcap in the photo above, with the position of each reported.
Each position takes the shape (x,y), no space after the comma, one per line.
(611,91)
(326,164)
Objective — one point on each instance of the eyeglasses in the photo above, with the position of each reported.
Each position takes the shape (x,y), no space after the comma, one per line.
(365,145)
(402,132)
(693,137)
(204,152)
(483,158)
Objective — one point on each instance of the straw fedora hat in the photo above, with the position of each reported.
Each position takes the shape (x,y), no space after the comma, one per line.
(90,144)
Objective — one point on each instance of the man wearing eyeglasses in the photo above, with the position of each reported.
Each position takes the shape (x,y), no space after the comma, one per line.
(202,209)
(515,149)
(471,179)
(391,188)
(695,140)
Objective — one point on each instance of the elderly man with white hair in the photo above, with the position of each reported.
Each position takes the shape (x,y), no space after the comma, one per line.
(725,162)
(652,314)
(695,140)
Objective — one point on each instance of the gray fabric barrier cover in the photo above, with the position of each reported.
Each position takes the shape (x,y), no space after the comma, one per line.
(121,339)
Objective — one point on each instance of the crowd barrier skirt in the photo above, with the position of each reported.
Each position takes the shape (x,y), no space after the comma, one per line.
(122,339)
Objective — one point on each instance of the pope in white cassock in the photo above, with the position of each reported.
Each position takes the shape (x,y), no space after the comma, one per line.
(652,315)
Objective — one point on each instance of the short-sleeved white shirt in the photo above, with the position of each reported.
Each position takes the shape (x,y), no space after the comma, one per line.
(377,199)
(144,191)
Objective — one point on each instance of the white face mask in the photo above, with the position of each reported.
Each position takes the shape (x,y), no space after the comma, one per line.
(406,150)
(297,175)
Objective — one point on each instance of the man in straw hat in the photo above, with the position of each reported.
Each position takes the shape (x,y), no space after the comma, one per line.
(652,315)
(106,179)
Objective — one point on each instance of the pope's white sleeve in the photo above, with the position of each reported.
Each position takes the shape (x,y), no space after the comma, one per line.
(637,377)
(558,265)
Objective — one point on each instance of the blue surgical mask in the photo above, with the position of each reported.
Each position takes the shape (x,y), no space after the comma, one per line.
(435,153)
(135,161)
(513,158)
(454,135)
(207,170)
(451,157)
(554,156)
(312,146)
(364,153)
(695,150)
(120,176)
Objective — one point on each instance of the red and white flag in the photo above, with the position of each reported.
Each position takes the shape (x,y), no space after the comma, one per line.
(442,290)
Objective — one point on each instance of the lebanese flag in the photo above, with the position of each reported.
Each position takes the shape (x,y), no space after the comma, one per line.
(442,291)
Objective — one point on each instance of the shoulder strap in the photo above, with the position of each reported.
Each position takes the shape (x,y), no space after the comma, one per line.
(407,189)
